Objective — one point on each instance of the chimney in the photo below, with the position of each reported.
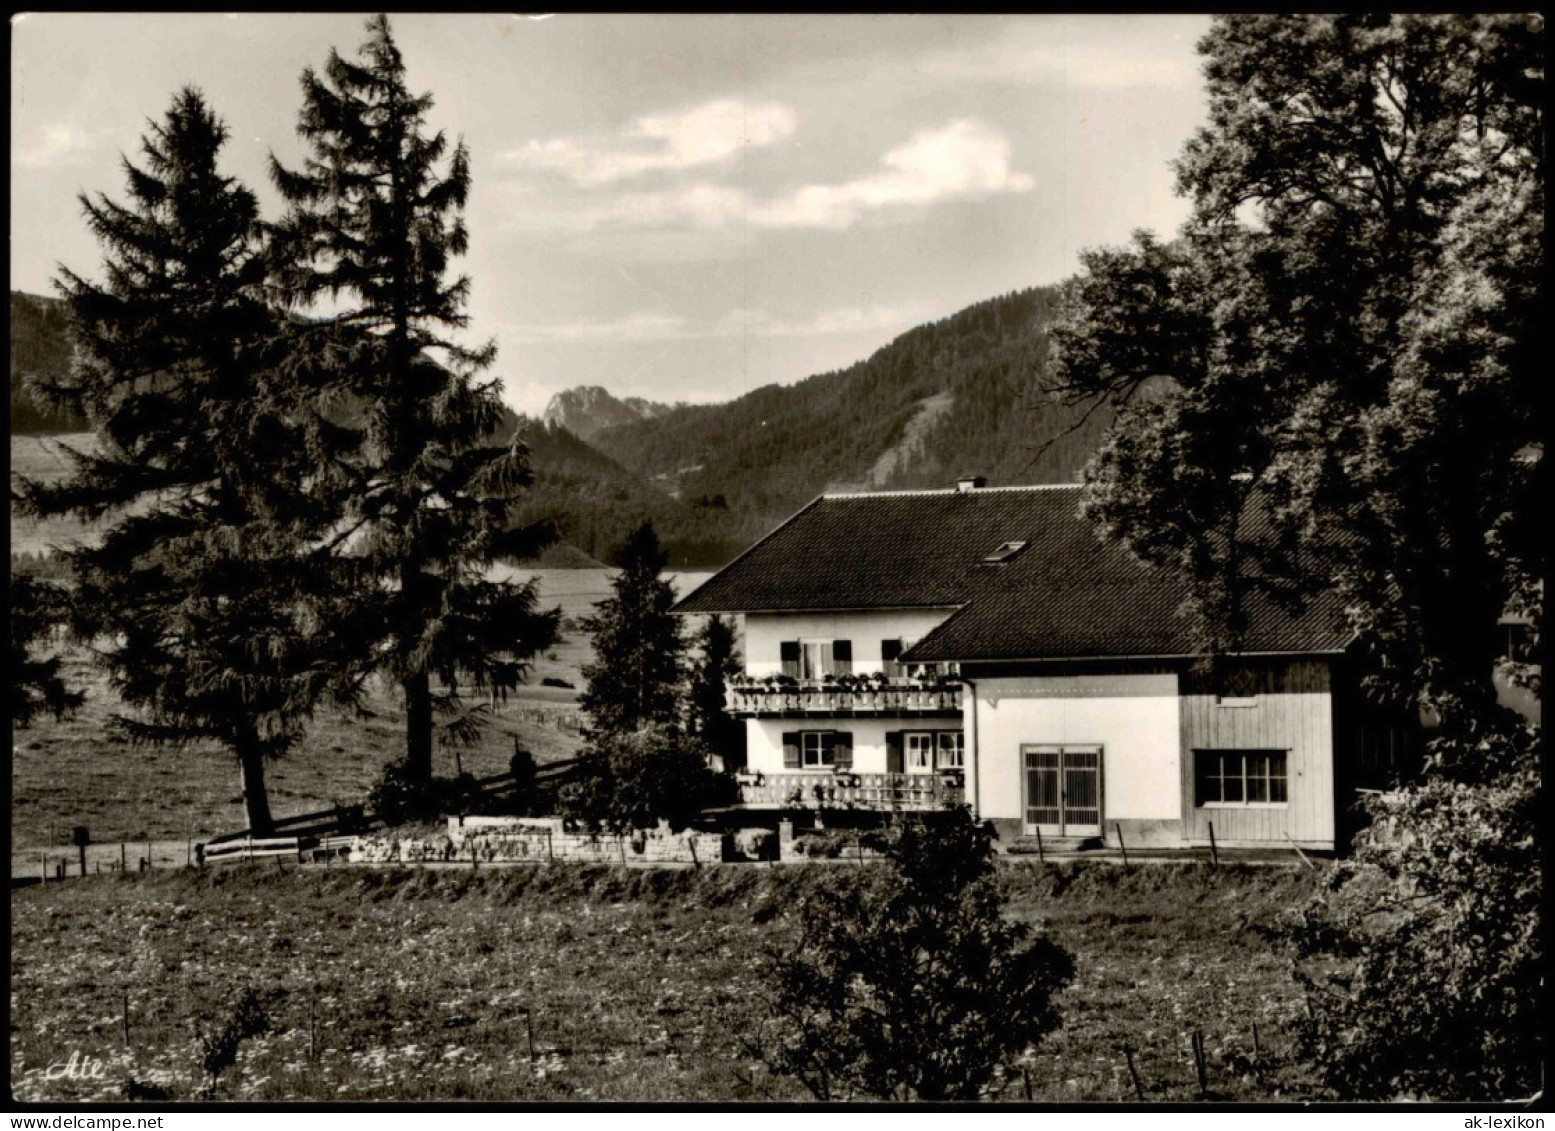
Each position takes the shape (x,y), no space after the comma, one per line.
(971,483)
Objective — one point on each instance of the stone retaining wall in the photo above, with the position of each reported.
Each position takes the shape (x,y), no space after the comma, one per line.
(539,839)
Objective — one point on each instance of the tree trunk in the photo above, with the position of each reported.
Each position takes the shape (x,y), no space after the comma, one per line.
(418,727)
(251,766)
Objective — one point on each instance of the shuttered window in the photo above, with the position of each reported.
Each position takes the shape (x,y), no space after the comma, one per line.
(890,650)
(816,659)
(817,750)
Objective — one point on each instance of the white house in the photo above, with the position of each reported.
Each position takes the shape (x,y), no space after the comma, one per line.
(908,649)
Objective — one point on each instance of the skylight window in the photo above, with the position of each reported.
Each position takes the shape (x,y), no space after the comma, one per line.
(1005,552)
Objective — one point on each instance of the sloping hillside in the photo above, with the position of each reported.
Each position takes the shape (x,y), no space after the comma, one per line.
(40,347)
(955,397)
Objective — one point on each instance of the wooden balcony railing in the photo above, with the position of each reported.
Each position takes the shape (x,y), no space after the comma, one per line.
(844,790)
(755,700)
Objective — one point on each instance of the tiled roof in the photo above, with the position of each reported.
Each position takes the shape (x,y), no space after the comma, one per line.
(902,549)
(1065,595)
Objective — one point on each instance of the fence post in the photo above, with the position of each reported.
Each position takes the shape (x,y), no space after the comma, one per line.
(43,864)
(621,844)
(550,851)
(1139,1091)
(1214,853)
(124,856)
(1041,856)
(1119,830)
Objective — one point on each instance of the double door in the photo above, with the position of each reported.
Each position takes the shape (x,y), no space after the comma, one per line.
(1062,789)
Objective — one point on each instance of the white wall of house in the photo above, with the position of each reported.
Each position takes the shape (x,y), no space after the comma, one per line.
(765,632)
(764,739)
(1134,718)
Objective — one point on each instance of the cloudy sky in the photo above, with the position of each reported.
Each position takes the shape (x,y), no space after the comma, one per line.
(676,207)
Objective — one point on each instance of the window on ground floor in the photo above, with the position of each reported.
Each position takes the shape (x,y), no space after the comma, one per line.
(924,751)
(817,750)
(1240,777)
(951,754)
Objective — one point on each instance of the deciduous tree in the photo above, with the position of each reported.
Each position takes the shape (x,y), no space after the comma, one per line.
(912,986)
(1345,335)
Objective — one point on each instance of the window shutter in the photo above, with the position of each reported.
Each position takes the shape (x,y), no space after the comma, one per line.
(788,651)
(841,657)
(791,750)
(893,752)
(889,663)
(842,750)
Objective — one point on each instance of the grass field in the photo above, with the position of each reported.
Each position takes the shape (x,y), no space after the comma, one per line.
(75,772)
(636,985)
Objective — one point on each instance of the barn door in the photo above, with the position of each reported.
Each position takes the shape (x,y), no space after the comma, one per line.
(1063,789)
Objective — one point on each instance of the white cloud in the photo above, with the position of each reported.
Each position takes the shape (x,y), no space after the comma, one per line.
(703,135)
(738,323)
(964,160)
(60,144)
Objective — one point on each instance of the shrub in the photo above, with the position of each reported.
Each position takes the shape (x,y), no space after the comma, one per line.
(1422,962)
(219,1050)
(910,985)
(400,797)
(634,780)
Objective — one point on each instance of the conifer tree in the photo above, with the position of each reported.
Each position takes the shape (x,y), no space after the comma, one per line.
(201,596)
(36,685)
(634,680)
(375,215)
(718,661)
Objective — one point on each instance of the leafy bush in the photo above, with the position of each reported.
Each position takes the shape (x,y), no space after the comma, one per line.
(634,780)
(400,797)
(219,1050)
(1422,962)
(912,986)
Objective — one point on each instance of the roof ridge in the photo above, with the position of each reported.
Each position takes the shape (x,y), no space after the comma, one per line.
(951,491)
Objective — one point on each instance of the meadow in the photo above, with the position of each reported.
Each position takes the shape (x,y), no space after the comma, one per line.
(76,771)
(560,983)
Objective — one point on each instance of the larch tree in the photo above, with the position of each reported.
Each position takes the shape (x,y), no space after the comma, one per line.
(203,598)
(1348,334)
(639,647)
(375,216)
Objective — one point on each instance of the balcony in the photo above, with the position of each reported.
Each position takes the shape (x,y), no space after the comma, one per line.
(779,698)
(844,790)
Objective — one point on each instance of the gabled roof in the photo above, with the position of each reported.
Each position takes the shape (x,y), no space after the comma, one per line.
(1066,595)
(894,549)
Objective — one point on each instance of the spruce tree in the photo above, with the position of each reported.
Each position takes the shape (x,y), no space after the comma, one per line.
(375,215)
(36,685)
(718,661)
(201,596)
(634,679)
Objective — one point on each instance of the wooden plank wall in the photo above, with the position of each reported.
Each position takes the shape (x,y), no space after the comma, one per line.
(1294,712)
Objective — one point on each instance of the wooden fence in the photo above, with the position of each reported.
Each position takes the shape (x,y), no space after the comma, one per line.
(333,832)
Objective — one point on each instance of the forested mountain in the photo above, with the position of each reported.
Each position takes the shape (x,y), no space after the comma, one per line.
(955,397)
(40,347)
(588,410)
